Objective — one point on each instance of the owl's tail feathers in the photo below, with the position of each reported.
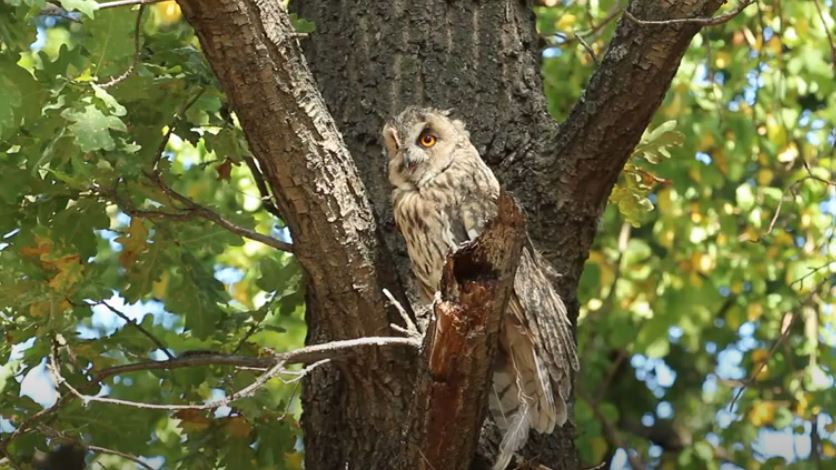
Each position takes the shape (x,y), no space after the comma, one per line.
(522,397)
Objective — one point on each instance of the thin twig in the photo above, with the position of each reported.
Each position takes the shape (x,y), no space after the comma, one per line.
(126,3)
(712,21)
(32,421)
(587,47)
(167,136)
(199,360)
(314,356)
(754,375)
(305,355)
(612,437)
(197,210)
(137,52)
(193,209)
(411,329)
(124,455)
(827,31)
(786,329)
(263,190)
(160,345)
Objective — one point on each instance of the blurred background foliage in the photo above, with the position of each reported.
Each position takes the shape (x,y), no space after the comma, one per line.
(706,326)
(707,323)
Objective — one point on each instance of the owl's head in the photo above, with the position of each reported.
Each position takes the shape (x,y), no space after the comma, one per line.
(421,143)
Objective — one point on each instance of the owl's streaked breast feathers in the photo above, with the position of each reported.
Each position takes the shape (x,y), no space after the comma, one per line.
(444,194)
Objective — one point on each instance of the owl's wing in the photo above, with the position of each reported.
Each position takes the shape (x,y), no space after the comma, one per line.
(538,360)
(549,324)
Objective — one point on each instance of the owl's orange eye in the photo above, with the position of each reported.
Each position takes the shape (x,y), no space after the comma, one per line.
(426,140)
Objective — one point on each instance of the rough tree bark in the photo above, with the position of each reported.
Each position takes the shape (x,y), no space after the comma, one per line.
(370,59)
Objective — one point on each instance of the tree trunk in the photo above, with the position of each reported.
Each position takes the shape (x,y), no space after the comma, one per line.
(482,59)
(370,59)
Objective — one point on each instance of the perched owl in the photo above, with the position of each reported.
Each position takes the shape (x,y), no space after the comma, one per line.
(444,195)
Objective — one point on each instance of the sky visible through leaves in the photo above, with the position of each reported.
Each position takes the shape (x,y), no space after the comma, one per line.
(706,328)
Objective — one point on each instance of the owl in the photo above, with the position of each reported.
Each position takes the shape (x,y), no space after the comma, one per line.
(443,195)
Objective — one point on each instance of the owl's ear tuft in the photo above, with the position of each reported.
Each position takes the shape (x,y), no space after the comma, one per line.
(390,140)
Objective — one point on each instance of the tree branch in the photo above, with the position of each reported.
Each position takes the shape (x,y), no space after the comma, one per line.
(162,347)
(137,51)
(312,356)
(711,21)
(126,3)
(597,137)
(124,455)
(306,355)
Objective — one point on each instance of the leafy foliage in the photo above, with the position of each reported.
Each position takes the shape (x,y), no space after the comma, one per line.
(713,273)
(100,125)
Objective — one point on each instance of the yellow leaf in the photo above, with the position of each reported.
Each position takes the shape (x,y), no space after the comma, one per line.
(599,448)
(759,355)
(765,176)
(293,460)
(828,449)
(241,293)
(722,60)
(762,413)
(168,12)
(753,312)
(160,287)
(775,45)
(706,141)
(133,242)
(566,22)
(70,272)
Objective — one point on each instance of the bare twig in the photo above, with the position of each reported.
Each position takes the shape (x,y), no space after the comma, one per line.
(411,330)
(192,209)
(31,422)
(612,437)
(126,3)
(305,355)
(827,31)
(809,273)
(314,356)
(712,21)
(160,345)
(785,332)
(198,360)
(786,327)
(137,51)
(124,455)
(51,9)
(263,190)
(587,47)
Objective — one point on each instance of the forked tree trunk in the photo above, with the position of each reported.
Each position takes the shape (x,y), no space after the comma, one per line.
(370,58)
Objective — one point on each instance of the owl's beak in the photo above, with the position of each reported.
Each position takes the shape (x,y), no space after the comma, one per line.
(411,161)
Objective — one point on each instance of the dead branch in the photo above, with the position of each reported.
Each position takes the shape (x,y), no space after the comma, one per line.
(274,366)
(458,357)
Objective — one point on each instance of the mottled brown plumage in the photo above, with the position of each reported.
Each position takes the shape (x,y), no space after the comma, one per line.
(443,195)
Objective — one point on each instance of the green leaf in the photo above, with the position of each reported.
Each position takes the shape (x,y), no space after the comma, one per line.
(91,128)
(88,7)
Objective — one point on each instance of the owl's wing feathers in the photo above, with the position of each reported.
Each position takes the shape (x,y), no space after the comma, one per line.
(522,397)
(550,326)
